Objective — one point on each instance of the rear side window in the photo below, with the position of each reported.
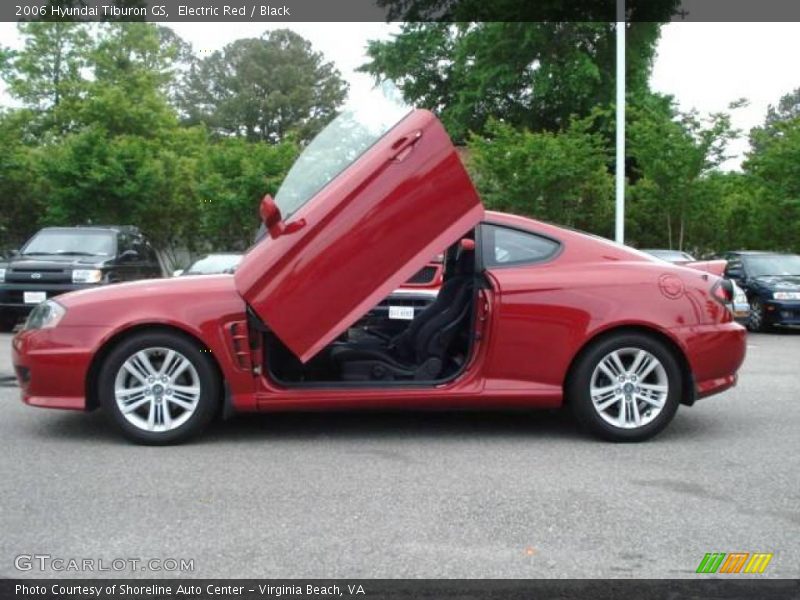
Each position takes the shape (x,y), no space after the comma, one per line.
(504,246)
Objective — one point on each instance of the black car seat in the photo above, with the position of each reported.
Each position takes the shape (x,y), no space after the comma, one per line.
(420,352)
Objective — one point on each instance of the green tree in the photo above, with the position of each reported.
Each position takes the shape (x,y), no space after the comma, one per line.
(20,203)
(787,109)
(48,74)
(263,88)
(774,166)
(560,177)
(535,75)
(235,175)
(670,153)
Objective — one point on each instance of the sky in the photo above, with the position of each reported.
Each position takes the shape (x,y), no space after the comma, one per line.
(705,66)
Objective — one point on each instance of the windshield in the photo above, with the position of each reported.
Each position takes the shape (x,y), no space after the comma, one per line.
(348,136)
(217,263)
(81,243)
(773,264)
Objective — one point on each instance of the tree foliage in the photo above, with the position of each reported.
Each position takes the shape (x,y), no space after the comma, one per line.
(263,88)
(100,142)
(561,177)
(533,75)
(121,123)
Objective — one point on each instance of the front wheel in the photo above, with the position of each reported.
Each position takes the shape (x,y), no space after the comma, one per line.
(626,387)
(159,388)
(757,319)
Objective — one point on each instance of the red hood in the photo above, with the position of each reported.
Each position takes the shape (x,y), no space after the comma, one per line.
(160,291)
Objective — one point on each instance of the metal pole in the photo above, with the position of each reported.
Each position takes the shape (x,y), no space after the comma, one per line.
(619,235)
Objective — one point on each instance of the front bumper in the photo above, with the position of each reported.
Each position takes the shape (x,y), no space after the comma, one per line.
(782,312)
(51,365)
(12,295)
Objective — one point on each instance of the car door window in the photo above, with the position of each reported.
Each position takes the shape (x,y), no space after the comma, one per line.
(504,246)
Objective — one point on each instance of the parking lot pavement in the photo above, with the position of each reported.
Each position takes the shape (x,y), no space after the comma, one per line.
(417,495)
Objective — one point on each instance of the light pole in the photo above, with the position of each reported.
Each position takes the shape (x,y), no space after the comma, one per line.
(619,233)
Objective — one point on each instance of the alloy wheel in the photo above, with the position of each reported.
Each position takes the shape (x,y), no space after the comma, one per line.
(629,388)
(157,389)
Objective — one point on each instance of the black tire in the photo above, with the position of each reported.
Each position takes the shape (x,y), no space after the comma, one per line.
(757,320)
(580,380)
(7,322)
(209,396)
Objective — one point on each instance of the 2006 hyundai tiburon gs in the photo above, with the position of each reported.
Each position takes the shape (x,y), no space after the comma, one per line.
(529,315)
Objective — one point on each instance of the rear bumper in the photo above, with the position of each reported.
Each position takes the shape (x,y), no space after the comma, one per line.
(715,353)
(12,294)
(51,366)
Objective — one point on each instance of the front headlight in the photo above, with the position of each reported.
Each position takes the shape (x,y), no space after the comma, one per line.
(786,295)
(45,315)
(3,274)
(87,276)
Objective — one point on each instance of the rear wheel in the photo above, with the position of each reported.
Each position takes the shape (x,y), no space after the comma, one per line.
(159,388)
(626,387)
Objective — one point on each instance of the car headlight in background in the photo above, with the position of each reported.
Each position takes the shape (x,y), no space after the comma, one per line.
(45,315)
(2,274)
(87,276)
(786,295)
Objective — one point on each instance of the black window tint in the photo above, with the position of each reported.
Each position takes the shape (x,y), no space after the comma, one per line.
(504,246)
(123,243)
(734,263)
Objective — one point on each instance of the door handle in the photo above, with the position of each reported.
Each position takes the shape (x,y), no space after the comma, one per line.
(403,146)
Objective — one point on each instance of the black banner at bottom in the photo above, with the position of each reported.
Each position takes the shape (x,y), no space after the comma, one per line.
(395,589)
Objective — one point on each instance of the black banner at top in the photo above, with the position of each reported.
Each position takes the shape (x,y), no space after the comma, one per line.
(398,10)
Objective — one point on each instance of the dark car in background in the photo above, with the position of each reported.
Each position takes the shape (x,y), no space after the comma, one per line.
(771,281)
(673,256)
(63,259)
(739,304)
(212,264)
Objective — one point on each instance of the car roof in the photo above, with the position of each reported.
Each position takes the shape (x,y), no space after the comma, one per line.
(756,253)
(118,228)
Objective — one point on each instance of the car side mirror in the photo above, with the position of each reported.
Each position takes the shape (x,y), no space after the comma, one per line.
(273,221)
(13,252)
(734,273)
(129,256)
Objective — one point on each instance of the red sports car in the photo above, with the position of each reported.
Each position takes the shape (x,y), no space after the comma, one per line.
(529,315)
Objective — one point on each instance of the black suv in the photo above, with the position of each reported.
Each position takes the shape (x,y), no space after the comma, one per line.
(63,259)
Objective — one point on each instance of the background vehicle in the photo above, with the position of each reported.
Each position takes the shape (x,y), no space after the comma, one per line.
(63,259)
(212,264)
(677,257)
(739,305)
(771,282)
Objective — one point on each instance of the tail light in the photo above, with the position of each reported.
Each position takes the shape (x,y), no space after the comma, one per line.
(723,292)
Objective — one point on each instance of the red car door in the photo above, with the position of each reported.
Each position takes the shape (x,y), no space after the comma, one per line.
(368,229)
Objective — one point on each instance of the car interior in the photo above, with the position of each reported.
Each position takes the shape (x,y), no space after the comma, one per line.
(434,347)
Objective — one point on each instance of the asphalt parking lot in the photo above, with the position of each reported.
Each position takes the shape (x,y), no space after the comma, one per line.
(416,495)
